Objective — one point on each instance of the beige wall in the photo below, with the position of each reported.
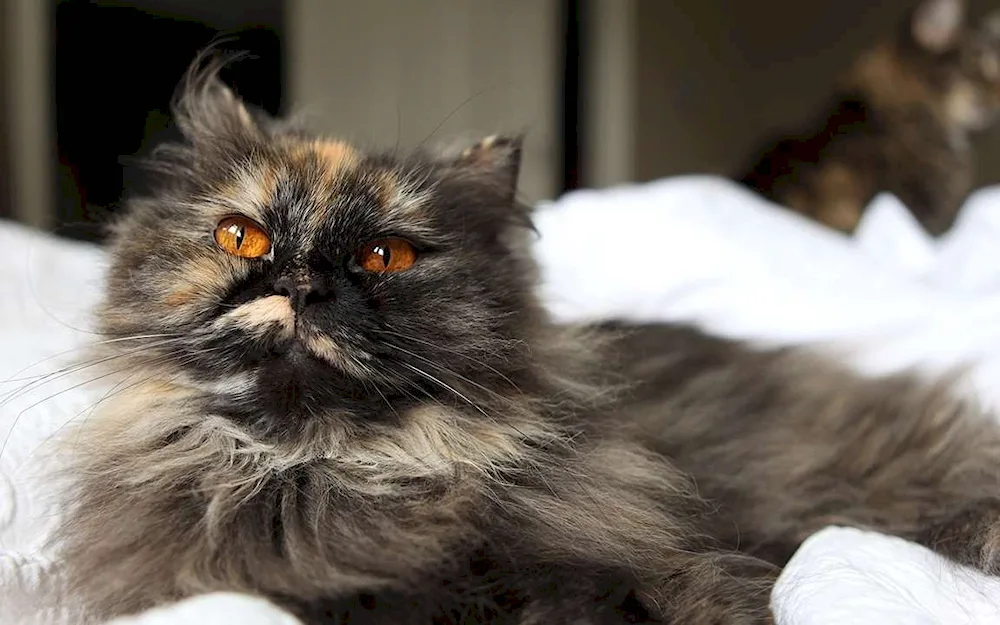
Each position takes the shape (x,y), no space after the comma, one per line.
(25,42)
(609,92)
(715,75)
(382,71)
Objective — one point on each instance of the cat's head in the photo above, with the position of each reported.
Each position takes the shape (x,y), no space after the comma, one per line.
(288,275)
(958,59)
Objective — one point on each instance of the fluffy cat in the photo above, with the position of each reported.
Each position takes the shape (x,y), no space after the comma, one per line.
(337,389)
(900,121)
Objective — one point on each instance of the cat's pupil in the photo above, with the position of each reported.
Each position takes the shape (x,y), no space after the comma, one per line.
(383,251)
(239,232)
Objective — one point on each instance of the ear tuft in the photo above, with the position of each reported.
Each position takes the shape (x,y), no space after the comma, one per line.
(206,108)
(937,24)
(497,157)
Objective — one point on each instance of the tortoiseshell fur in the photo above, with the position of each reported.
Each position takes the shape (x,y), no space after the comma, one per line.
(427,446)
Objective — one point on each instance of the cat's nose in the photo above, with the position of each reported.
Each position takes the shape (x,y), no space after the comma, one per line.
(302,292)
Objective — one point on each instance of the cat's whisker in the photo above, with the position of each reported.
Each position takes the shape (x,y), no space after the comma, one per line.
(38,300)
(61,373)
(17,418)
(467,380)
(80,348)
(480,386)
(115,390)
(454,112)
(165,357)
(382,395)
(110,393)
(489,461)
(444,385)
(450,351)
(399,389)
(462,396)
(446,371)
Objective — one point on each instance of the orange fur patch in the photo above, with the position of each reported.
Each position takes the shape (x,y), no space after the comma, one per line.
(249,190)
(180,297)
(199,280)
(337,156)
(388,188)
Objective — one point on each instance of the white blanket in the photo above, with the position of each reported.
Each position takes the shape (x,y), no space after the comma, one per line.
(715,255)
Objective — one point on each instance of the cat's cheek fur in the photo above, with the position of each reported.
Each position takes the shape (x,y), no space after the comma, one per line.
(170,292)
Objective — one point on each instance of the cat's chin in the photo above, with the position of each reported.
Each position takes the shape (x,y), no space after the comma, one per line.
(293,352)
(295,380)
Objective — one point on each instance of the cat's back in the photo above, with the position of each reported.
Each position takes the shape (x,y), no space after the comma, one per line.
(690,391)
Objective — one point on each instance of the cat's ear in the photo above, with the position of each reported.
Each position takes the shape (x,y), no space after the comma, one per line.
(206,109)
(937,24)
(496,159)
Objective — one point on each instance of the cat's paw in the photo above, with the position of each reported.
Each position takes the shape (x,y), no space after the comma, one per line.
(970,536)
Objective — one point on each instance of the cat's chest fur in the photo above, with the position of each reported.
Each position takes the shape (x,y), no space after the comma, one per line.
(401,520)
(333,509)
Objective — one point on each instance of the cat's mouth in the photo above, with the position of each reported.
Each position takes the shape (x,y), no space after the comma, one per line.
(330,351)
(292,336)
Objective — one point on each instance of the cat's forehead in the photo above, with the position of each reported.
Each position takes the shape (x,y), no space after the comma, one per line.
(313,181)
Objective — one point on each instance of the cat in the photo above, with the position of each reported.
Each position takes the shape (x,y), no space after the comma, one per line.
(900,121)
(334,386)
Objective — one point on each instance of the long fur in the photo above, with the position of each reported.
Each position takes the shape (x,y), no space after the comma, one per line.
(427,446)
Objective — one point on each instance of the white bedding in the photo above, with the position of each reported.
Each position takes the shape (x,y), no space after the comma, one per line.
(717,256)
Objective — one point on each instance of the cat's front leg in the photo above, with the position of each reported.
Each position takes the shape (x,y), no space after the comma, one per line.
(619,507)
(969,536)
(717,589)
(682,589)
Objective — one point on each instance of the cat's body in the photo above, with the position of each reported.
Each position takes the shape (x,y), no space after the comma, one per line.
(786,442)
(337,389)
(900,121)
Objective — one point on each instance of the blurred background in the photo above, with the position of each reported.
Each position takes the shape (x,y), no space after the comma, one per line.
(609,91)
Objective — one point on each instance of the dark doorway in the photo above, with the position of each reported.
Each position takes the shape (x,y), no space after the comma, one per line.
(116,67)
(570,109)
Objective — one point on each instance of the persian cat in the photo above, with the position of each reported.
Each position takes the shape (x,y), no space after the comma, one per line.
(336,389)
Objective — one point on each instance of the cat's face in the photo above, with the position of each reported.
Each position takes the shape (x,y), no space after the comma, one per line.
(287,275)
(962,60)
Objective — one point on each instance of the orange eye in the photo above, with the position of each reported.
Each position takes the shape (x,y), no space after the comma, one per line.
(242,237)
(387,255)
